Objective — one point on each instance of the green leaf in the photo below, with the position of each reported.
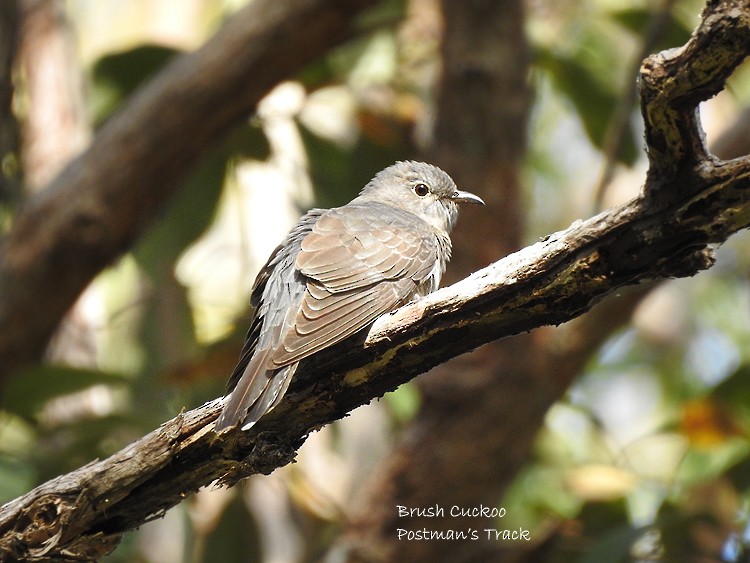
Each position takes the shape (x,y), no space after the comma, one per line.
(735,389)
(188,213)
(115,76)
(16,477)
(28,392)
(594,103)
(614,545)
(340,172)
(65,448)
(636,20)
(235,538)
(339,62)
(384,13)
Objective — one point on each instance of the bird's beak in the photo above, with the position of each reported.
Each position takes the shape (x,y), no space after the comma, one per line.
(466,197)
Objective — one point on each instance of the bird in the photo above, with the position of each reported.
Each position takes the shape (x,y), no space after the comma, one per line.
(336,272)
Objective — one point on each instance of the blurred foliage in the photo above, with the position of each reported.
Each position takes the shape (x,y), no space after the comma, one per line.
(115,76)
(342,171)
(594,101)
(648,457)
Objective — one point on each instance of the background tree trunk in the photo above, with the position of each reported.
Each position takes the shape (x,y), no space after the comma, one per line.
(471,433)
(481,412)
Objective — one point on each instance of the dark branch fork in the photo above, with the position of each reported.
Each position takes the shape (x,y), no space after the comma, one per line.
(690,201)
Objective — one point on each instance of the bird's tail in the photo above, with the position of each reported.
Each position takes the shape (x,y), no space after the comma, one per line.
(258,391)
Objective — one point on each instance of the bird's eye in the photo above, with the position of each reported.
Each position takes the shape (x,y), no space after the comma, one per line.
(421,190)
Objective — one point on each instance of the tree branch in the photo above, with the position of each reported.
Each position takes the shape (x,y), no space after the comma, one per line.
(674,82)
(701,201)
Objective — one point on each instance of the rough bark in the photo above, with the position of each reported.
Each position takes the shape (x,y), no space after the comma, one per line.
(86,511)
(102,201)
(552,281)
(691,200)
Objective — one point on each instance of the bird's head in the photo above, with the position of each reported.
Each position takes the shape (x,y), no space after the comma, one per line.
(422,189)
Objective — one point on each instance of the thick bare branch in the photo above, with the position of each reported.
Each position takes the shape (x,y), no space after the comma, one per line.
(674,82)
(547,283)
(702,201)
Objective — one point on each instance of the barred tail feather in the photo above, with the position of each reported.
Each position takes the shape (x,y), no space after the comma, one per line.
(271,396)
(258,391)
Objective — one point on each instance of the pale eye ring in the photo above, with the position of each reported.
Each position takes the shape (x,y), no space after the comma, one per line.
(421,189)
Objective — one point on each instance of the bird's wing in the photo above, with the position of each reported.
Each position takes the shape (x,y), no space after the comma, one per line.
(356,246)
(361,262)
(282,292)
